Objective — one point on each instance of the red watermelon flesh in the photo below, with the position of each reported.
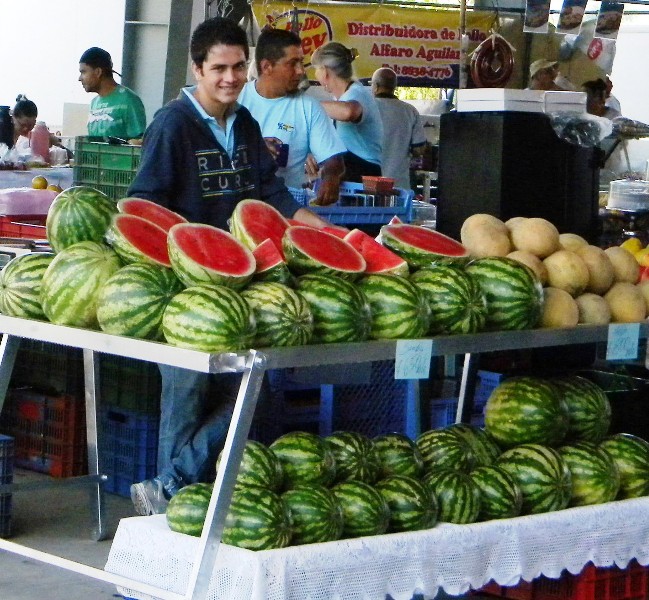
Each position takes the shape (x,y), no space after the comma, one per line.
(377,257)
(296,222)
(144,236)
(254,221)
(267,256)
(146,209)
(340,232)
(395,221)
(425,239)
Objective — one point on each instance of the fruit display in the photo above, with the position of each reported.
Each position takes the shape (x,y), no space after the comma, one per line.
(20,285)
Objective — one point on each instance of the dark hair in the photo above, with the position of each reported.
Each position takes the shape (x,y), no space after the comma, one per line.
(98,58)
(272,43)
(214,31)
(24,107)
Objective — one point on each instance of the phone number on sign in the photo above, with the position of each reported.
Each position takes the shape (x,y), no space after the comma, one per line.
(442,72)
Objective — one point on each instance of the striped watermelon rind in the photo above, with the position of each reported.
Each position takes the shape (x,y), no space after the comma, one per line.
(259,467)
(500,495)
(458,497)
(355,455)
(187,509)
(443,449)
(316,512)
(135,239)
(484,447)
(270,264)
(412,506)
(20,285)
(365,511)
(630,454)
(398,455)
(305,458)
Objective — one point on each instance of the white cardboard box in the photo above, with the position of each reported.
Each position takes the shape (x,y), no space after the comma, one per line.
(501,99)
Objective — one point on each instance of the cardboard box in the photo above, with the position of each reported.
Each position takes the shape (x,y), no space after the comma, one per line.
(500,99)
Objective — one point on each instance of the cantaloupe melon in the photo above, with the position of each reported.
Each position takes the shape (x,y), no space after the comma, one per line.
(559,309)
(625,265)
(514,221)
(485,235)
(593,309)
(626,302)
(600,269)
(533,262)
(644,288)
(570,241)
(535,235)
(567,271)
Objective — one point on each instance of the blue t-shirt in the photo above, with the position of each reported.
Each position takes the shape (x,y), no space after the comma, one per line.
(299,121)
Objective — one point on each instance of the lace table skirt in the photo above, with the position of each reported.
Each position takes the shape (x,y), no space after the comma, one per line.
(455,557)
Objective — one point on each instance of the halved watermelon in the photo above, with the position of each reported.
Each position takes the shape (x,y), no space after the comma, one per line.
(309,250)
(340,232)
(377,257)
(137,240)
(149,210)
(203,254)
(270,264)
(254,221)
(422,247)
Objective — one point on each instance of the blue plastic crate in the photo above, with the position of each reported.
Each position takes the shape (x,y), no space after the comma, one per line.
(487,382)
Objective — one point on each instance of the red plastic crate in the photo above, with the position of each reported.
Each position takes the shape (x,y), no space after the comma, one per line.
(593,583)
(23,226)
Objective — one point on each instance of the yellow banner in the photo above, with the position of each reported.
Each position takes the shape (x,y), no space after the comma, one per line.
(421,45)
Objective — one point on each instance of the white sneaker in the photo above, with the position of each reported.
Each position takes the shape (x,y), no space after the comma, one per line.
(148,497)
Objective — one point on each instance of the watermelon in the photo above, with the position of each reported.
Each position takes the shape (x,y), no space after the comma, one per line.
(378,259)
(443,449)
(151,211)
(594,476)
(541,474)
(365,511)
(630,454)
(137,240)
(355,455)
(458,498)
(195,261)
(514,294)
(20,285)
(398,455)
(258,519)
(209,318)
(422,247)
(78,214)
(340,232)
(187,509)
(282,315)
(588,408)
(456,301)
(341,312)
(305,458)
(412,506)
(259,467)
(254,221)
(133,300)
(500,496)
(308,250)
(317,514)
(270,264)
(399,308)
(484,448)
(526,410)
(71,284)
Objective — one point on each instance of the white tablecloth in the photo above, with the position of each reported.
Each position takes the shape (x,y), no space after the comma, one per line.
(455,557)
(61,176)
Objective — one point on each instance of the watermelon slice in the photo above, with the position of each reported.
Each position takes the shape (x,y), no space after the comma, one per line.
(270,264)
(161,216)
(421,247)
(202,254)
(395,221)
(340,232)
(254,221)
(377,257)
(137,240)
(309,250)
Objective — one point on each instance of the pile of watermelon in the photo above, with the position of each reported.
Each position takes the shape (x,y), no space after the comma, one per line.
(137,269)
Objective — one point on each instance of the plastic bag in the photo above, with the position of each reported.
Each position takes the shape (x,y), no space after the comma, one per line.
(581,129)
(25,201)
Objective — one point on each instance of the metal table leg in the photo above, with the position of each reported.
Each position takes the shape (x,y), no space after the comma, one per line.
(467,388)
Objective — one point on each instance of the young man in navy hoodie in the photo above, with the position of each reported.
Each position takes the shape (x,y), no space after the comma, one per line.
(201,155)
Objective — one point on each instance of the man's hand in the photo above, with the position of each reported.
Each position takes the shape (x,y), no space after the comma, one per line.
(273,144)
(328,192)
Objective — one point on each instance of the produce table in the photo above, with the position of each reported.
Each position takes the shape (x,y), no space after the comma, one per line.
(252,365)
(61,176)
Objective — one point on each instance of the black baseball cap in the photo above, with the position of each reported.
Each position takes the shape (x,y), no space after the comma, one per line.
(98,58)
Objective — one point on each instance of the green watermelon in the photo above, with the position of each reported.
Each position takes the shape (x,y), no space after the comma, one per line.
(151,211)
(258,519)
(341,312)
(283,316)
(412,506)
(484,448)
(514,295)
(456,301)
(195,261)
(524,410)
(137,240)
(133,300)
(78,214)
(457,496)
(399,308)
(317,514)
(365,511)
(259,467)
(355,455)
(270,264)
(378,259)
(305,458)
(542,475)
(20,285)
(500,495)
(443,449)
(254,221)
(209,318)
(71,284)
(595,478)
(398,455)
(630,454)
(187,509)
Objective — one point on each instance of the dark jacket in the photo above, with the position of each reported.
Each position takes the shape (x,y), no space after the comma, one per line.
(184,168)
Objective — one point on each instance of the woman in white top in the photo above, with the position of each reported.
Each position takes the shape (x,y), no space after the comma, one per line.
(354,110)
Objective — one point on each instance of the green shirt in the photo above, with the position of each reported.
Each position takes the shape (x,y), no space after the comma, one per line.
(120,114)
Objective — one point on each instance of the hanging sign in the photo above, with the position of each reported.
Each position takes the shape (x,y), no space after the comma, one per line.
(609,19)
(537,14)
(571,16)
(412,360)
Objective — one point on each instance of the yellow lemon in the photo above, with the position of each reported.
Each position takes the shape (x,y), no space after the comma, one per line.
(642,257)
(39,182)
(55,188)
(633,245)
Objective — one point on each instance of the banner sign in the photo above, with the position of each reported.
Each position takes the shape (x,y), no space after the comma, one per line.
(421,45)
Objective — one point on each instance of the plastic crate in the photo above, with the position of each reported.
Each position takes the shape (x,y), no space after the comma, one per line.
(129,384)
(6,476)
(23,226)
(128,447)
(593,583)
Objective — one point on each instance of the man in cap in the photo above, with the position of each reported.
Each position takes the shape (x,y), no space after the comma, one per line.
(116,111)
(542,75)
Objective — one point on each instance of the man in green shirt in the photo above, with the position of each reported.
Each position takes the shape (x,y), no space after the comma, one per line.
(116,111)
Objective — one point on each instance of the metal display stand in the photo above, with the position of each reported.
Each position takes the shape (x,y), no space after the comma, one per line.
(252,364)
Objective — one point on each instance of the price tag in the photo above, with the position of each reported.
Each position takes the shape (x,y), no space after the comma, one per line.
(413,359)
(623,341)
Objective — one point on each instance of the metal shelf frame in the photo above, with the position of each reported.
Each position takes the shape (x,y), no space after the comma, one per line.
(252,364)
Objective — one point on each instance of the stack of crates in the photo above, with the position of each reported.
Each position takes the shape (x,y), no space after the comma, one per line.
(6,476)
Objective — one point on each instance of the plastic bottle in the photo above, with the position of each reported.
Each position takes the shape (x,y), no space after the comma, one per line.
(40,141)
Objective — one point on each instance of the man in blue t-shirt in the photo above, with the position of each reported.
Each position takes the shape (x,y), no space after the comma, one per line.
(289,118)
